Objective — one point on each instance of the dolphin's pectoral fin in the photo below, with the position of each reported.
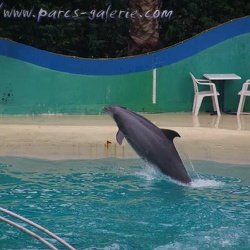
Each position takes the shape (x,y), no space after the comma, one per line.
(119,137)
(170,134)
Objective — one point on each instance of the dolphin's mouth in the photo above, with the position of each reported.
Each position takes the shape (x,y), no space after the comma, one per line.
(112,109)
(106,109)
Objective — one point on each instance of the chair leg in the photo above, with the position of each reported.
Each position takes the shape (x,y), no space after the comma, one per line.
(241,104)
(216,104)
(198,104)
(194,103)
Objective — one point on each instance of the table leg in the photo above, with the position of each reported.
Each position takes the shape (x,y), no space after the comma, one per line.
(221,98)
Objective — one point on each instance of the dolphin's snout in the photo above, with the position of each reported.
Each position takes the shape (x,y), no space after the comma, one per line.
(107,109)
(110,109)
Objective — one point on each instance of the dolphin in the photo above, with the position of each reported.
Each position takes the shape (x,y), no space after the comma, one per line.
(152,144)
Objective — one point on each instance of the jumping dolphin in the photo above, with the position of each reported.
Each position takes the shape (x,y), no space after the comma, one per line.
(151,143)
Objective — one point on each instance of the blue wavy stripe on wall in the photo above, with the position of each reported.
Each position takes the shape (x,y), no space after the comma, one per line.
(130,64)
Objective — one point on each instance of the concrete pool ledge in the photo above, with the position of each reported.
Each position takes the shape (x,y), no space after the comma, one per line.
(225,139)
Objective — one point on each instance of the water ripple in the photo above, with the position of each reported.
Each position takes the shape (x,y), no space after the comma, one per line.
(116,204)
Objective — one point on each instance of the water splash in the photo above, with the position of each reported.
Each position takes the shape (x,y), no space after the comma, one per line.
(175,246)
(114,246)
(186,159)
(205,183)
(153,174)
(150,173)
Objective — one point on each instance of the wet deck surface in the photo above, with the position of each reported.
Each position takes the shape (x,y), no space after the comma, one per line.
(223,139)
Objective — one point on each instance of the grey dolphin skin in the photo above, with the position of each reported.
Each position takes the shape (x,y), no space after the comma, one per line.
(151,143)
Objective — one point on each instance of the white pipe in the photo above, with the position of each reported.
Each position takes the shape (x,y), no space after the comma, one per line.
(38,227)
(28,232)
(154,87)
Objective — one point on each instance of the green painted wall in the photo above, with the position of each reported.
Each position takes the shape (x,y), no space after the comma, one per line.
(29,89)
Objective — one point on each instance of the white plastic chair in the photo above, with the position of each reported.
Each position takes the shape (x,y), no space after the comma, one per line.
(243,93)
(199,95)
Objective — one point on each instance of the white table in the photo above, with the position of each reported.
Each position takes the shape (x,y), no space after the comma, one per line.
(222,78)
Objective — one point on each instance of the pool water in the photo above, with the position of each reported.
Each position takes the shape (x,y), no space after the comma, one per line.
(115,204)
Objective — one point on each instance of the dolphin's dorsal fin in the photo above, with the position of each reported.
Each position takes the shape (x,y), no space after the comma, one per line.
(170,134)
(119,137)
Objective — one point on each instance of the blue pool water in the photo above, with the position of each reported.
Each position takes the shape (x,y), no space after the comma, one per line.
(115,204)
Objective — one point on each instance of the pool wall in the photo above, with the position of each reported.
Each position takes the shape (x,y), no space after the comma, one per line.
(35,81)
